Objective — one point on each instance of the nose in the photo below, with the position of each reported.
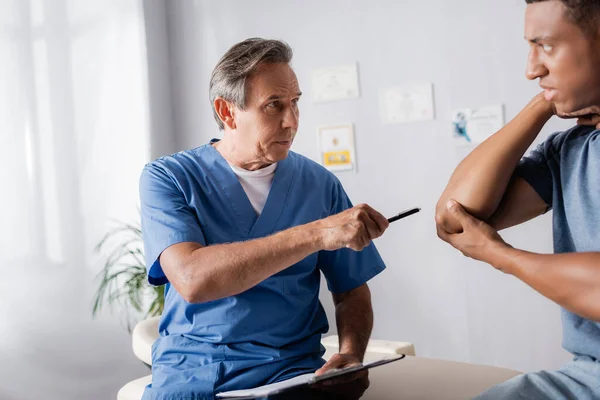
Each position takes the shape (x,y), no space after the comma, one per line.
(290,118)
(535,68)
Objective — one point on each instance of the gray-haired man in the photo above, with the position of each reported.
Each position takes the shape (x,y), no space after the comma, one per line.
(239,231)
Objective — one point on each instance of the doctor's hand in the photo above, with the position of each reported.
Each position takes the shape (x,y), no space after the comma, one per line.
(353,228)
(351,385)
(476,240)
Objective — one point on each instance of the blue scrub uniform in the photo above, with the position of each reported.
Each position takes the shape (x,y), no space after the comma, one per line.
(270,332)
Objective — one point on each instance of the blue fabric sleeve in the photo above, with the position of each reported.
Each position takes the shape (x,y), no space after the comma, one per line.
(536,168)
(167,219)
(346,269)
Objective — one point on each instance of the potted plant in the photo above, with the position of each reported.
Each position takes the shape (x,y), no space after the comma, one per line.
(122,280)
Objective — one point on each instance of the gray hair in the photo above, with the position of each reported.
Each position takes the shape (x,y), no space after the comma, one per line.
(228,79)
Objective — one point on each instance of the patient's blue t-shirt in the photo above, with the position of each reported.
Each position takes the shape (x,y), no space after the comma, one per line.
(565,172)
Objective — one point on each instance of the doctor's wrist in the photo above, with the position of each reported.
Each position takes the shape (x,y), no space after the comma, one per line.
(311,235)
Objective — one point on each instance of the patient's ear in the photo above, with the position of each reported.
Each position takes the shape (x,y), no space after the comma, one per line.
(226,112)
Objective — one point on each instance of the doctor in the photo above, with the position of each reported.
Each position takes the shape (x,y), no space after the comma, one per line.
(239,230)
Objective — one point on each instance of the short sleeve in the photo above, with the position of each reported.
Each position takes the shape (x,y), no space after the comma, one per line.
(167,219)
(346,269)
(537,167)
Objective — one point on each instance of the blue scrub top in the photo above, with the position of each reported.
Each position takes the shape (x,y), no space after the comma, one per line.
(270,332)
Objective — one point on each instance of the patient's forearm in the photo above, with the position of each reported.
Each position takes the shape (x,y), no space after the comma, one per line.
(572,280)
(480,180)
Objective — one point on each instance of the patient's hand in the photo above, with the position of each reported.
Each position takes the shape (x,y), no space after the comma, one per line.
(590,120)
(587,116)
(476,240)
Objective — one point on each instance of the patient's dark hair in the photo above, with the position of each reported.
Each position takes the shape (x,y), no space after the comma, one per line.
(584,13)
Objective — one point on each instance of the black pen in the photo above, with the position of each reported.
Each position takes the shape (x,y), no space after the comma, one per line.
(403,214)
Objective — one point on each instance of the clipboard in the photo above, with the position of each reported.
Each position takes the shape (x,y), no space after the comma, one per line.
(300,381)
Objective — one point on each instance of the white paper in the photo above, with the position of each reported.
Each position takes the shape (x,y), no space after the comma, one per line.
(311,378)
(335,83)
(408,103)
(474,125)
(263,391)
(336,147)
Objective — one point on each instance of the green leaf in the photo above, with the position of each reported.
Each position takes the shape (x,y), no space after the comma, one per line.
(122,282)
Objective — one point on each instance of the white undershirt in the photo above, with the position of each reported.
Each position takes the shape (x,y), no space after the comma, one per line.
(256,184)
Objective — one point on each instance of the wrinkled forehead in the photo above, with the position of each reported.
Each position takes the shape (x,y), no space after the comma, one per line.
(272,79)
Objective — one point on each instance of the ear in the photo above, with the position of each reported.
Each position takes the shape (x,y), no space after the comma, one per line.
(226,112)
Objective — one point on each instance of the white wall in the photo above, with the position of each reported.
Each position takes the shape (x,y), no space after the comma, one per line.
(162,128)
(474,53)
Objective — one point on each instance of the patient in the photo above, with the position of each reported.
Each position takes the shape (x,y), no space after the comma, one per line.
(239,230)
(496,189)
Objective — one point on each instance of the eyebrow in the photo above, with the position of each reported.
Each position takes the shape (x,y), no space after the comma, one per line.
(277,97)
(538,39)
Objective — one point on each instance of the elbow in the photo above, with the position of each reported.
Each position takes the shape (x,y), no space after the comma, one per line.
(195,296)
(448,223)
(443,219)
(193,284)
(187,292)
(202,292)
(197,292)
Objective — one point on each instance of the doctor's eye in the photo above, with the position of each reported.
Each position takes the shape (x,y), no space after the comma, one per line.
(273,107)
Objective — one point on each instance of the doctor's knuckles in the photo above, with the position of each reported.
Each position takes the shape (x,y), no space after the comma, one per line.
(353,228)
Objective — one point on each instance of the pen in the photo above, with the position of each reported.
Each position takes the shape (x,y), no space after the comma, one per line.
(403,214)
